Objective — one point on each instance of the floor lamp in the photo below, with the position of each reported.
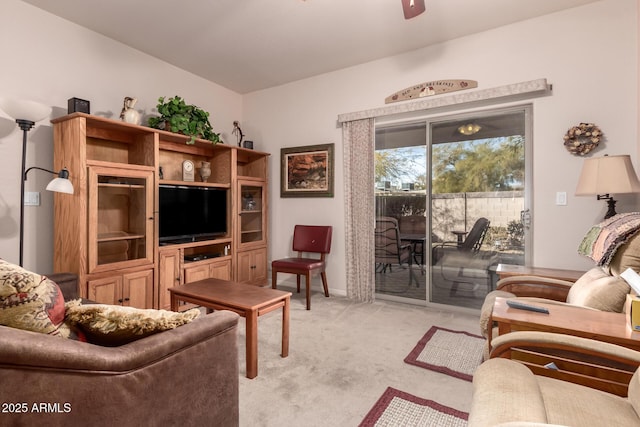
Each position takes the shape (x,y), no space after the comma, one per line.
(26,114)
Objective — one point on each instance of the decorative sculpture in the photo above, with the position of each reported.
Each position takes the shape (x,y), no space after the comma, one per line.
(128,113)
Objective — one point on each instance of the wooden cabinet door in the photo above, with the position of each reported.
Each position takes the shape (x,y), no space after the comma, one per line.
(168,276)
(243,268)
(137,289)
(252,223)
(120,206)
(196,272)
(252,266)
(106,291)
(259,266)
(220,270)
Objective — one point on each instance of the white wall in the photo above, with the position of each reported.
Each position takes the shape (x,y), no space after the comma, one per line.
(50,60)
(589,54)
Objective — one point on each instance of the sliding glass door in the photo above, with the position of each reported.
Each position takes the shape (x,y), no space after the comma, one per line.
(451,203)
(401,211)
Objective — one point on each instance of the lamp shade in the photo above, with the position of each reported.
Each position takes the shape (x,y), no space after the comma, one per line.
(21,109)
(607,175)
(60,185)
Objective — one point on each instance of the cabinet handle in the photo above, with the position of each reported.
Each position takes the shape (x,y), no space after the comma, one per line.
(127,299)
(120,301)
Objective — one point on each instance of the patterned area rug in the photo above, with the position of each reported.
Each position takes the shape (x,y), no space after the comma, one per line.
(396,408)
(450,352)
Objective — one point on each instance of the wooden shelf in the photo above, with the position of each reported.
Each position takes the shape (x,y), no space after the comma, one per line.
(103,163)
(119,185)
(194,183)
(118,235)
(208,260)
(198,243)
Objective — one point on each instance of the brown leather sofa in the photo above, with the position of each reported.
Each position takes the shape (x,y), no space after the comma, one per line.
(186,376)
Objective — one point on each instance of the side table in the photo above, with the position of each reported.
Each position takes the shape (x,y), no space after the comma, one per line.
(565,319)
(510,270)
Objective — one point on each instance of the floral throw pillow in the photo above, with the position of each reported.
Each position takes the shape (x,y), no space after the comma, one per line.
(114,325)
(30,301)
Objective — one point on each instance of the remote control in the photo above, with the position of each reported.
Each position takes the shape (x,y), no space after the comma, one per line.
(522,306)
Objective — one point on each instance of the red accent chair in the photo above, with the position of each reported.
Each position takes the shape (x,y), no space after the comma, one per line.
(306,239)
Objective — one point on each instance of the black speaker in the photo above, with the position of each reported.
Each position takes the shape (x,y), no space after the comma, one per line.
(77,105)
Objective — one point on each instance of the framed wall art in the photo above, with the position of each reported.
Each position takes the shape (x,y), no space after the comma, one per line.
(307,171)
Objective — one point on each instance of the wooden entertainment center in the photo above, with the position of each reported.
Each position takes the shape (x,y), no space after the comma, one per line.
(107,232)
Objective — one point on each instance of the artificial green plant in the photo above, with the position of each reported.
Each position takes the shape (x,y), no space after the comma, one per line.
(177,116)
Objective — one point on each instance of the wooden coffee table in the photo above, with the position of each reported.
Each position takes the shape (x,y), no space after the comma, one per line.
(564,319)
(248,301)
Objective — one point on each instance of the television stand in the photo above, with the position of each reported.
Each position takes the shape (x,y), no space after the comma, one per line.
(108,231)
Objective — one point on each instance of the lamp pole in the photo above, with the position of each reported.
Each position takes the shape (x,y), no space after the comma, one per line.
(26,126)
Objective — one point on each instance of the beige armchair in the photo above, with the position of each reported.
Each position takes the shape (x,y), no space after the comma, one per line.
(594,290)
(600,288)
(595,383)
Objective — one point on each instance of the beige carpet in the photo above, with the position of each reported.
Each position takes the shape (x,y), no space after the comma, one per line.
(342,357)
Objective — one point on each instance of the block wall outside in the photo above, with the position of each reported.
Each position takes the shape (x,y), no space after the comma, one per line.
(457,211)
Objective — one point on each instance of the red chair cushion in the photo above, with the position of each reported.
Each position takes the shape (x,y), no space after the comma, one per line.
(297,264)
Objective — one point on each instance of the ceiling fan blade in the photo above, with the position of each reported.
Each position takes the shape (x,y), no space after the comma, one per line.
(412,8)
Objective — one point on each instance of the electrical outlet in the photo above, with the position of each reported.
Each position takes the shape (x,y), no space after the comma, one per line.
(32,198)
(561,198)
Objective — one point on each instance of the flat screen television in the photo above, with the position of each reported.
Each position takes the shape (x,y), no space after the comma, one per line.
(191,213)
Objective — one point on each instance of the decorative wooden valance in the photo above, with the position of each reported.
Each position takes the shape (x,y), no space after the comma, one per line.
(512,92)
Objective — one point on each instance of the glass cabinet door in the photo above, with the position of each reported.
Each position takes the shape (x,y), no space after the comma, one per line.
(120,218)
(252,210)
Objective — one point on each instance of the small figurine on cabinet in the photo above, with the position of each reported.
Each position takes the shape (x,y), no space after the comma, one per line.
(128,113)
(237,132)
(205,171)
(248,203)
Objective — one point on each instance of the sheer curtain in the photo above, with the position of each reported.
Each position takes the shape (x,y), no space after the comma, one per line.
(358,143)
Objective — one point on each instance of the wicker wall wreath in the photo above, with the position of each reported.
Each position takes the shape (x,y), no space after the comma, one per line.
(583,138)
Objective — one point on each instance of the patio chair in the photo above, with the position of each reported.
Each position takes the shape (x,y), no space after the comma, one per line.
(413,229)
(471,243)
(463,262)
(389,249)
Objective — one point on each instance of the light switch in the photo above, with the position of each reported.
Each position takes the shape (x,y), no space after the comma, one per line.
(31,198)
(561,198)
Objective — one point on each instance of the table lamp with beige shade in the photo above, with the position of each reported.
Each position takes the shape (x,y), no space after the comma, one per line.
(607,175)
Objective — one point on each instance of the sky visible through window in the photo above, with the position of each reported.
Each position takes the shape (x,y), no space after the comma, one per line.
(407,165)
